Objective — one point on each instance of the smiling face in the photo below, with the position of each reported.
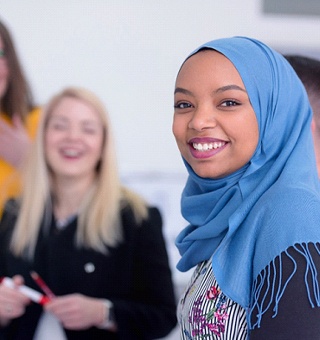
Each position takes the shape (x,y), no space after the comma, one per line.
(73,140)
(214,124)
(4,70)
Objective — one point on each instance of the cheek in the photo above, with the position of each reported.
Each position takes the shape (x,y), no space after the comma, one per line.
(50,146)
(249,139)
(97,147)
(178,128)
(246,129)
(254,138)
(49,140)
(4,69)
(47,145)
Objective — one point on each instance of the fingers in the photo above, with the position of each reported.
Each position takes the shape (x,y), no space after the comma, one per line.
(17,125)
(18,280)
(17,137)
(12,302)
(76,311)
(11,293)
(63,307)
(17,121)
(12,309)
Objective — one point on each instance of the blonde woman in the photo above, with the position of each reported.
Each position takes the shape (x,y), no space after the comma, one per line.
(96,244)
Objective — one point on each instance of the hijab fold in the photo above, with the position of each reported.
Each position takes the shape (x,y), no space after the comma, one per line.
(247,219)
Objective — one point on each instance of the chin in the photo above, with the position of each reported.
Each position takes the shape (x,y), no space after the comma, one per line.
(205,172)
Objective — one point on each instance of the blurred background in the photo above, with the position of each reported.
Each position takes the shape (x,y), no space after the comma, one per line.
(129,52)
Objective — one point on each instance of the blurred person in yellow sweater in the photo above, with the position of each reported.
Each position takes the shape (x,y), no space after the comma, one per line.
(18,117)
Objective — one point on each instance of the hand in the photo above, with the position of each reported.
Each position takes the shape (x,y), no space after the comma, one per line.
(14,141)
(12,302)
(76,311)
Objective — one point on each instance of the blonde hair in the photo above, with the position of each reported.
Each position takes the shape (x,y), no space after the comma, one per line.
(99,223)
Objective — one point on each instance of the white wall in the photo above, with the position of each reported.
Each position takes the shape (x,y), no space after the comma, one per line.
(129,52)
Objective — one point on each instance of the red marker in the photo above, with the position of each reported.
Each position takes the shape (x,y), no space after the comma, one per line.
(27,291)
(36,277)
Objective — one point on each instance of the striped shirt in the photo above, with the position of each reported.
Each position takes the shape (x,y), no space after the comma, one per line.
(204,312)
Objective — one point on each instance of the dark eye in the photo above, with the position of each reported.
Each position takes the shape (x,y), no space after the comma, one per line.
(230,103)
(58,126)
(2,54)
(90,130)
(182,105)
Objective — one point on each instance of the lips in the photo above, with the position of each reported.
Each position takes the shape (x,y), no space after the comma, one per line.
(70,153)
(206,147)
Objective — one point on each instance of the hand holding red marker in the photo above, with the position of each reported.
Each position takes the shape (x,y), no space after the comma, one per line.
(27,291)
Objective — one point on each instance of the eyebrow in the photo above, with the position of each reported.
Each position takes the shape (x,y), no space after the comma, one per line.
(220,89)
(182,90)
(230,87)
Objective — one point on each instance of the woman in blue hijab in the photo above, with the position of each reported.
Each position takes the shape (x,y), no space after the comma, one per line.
(252,198)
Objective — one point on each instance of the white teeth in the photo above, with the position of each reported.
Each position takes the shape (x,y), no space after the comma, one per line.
(71,153)
(208,146)
(205,147)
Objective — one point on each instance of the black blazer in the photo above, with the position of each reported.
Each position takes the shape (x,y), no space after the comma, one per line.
(135,276)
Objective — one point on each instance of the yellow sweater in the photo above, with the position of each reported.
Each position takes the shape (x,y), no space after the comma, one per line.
(9,176)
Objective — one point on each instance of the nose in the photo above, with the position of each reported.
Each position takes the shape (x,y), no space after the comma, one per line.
(204,117)
(73,133)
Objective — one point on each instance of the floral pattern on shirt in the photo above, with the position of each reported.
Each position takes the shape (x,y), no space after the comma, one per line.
(206,313)
(214,320)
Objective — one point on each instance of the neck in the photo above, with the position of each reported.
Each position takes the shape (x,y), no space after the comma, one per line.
(68,196)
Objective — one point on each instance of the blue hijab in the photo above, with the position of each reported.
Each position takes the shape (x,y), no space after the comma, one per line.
(246,220)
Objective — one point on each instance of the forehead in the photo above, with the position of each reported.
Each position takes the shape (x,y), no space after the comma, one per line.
(208,66)
(75,109)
